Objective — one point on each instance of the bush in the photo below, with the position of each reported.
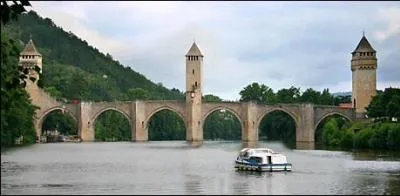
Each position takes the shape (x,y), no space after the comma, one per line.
(393,137)
(361,138)
(378,139)
(347,139)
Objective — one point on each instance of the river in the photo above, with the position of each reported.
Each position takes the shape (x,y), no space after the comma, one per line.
(176,167)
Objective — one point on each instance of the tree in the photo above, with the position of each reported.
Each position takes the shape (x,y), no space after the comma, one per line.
(385,104)
(138,93)
(17,112)
(326,98)
(288,95)
(11,12)
(211,98)
(78,88)
(311,96)
(259,93)
(393,107)
(342,99)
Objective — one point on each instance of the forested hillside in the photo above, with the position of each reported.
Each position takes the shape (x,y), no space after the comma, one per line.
(74,69)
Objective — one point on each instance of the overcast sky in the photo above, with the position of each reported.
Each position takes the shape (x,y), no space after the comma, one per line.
(279,44)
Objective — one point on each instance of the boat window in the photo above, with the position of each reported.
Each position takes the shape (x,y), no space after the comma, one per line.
(255,159)
(269,159)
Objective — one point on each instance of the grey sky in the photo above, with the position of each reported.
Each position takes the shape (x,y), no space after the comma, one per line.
(279,44)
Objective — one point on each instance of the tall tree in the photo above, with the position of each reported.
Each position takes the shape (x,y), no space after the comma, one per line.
(11,11)
(310,96)
(17,112)
(259,93)
(288,95)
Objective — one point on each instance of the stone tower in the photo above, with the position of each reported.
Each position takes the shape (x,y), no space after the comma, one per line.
(194,83)
(363,68)
(29,58)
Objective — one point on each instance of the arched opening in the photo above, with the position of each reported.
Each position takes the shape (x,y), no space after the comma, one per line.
(166,125)
(278,126)
(330,132)
(58,126)
(222,124)
(112,126)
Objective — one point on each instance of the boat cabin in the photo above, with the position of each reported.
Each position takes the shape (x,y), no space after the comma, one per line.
(261,156)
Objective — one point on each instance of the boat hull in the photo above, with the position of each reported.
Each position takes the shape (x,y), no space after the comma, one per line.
(263,167)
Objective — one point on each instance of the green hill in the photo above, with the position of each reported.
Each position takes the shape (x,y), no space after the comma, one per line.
(74,69)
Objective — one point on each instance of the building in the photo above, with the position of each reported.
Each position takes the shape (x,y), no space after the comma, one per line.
(363,68)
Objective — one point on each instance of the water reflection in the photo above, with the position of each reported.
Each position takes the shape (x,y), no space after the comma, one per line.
(193,184)
(195,144)
(393,185)
(250,144)
(305,145)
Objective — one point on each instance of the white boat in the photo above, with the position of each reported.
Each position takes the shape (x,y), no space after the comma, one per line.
(261,159)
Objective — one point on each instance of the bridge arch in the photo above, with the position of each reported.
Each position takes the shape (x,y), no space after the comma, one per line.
(164,107)
(291,114)
(93,119)
(330,114)
(47,112)
(219,107)
(172,121)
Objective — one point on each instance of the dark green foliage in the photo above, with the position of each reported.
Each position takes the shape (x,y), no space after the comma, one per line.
(17,112)
(211,98)
(342,99)
(137,94)
(311,96)
(60,121)
(331,135)
(112,126)
(11,11)
(259,93)
(166,125)
(385,105)
(394,137)
(378,139)
(222,125)
(361,138)
(277,125)
(290,95)
(347,139)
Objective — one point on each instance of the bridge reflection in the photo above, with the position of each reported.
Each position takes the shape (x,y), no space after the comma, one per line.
(305,145)
(195,144)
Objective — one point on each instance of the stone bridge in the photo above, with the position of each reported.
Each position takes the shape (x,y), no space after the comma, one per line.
(138,113)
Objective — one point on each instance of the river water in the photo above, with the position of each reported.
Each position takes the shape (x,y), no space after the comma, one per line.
(177,167)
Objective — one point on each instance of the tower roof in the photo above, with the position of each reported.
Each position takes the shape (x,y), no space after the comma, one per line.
(30,49)
(194,51)
(364,46)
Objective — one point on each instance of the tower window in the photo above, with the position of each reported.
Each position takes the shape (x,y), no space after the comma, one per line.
(193,71)
(195,84)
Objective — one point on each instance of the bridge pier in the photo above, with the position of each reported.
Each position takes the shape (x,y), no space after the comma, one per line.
(86,127)
(139,123)
(305,127)
(250,131)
